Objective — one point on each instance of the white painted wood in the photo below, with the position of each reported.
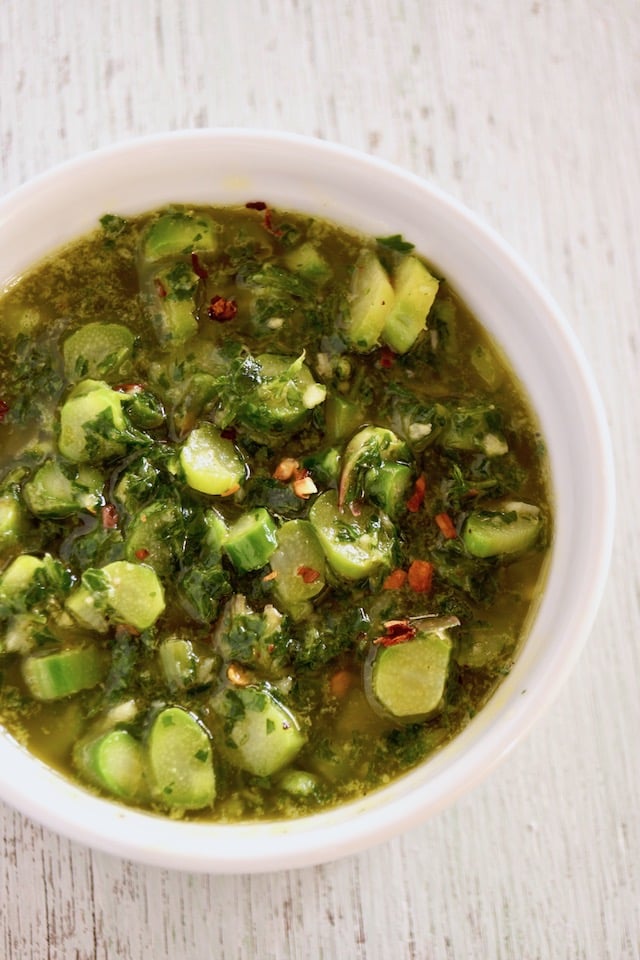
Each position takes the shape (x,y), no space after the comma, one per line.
(528,111)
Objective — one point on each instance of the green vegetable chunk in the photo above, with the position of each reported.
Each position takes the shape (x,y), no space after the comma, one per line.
(56,675)
(177,233)
(299,565)
(355,546)
(113,761)
(179,662)
(126,592)
(283,396)
(251,540)
(180,761)
(307,260)
(19,576)
(170,300)
(92,423)
(210,462)
(371,298)
(81,605)
(408,679)
(263,736)
(474,428)
(513,529)
(415,290)
(13,523)
(57,491)
(153,535)
(367,453)
(97,350)
(389,487)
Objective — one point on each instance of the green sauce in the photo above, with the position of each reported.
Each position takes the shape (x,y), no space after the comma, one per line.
(274,512)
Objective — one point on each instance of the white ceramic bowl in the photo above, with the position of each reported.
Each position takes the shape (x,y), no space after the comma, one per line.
(234,166)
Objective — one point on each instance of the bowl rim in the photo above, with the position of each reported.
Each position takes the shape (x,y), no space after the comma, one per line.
(49,798)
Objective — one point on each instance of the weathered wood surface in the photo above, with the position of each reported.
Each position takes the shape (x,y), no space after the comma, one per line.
(529,113)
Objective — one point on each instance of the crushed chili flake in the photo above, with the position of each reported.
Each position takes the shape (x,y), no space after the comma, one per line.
(141,554)
(420,576)
(256,205)
(129,388)
(268,224)
(308,574)
(416,499)
(197,267)
(4,409)
(221,309)
(446,526)
(395,580)
(229,433)
(230,490)
(109,516)
(387,358)
(396,631)
(161,290)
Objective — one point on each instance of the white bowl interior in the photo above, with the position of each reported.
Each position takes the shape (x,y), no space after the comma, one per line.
(235,166)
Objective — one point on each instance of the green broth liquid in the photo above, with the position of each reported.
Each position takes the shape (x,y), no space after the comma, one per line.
(318,663)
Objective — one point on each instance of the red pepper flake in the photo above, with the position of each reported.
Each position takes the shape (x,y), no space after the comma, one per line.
(229,433)
(446,526)
(129,388)
(387,358)
(395,580)
(4,409)
(141,554)
(197,267)
(221,309)
(160,287)
(109,516)
(308,574)
(268,225)
(396,631)
(267,222)
(420,576)
(416,499)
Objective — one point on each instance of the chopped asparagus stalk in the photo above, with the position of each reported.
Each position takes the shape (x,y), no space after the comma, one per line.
(371,299)
(514,528)
(97,350)
(113,761)
(355,546)
(61,674)
(251,540)
(415,290)
(263,736)
(210,462)
(408,679)
(180,761)
(179,232)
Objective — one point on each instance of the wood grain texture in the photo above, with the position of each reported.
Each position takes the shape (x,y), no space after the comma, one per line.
(529,113)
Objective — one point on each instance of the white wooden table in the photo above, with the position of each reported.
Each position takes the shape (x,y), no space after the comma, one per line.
(528,111)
